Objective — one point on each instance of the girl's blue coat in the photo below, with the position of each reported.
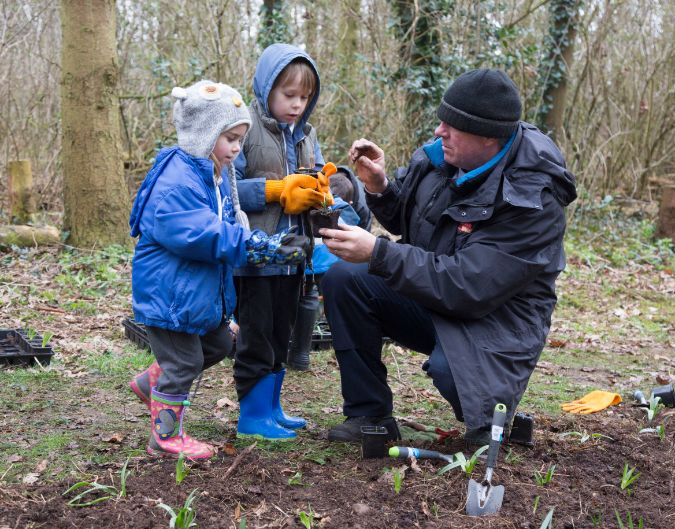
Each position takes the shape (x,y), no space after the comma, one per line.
(182,267)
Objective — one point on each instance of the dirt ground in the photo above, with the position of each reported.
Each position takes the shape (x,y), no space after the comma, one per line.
(76,420)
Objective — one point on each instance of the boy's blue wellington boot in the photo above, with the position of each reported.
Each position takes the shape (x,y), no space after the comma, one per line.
(287,421)
(255,414)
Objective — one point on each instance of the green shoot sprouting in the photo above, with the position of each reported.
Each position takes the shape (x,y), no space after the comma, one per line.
(536,504)
(660,430)
(585,436)
(182,470)
(654,403)
(460,461)
(628,477)
(103,492)
(544,479)
(398,479)
(548,521)
(46,337)
(307,518)
(31,333)
(629,521)
(186,515)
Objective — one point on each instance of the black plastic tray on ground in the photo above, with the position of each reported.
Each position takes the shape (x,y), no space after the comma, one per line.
(17,348)
(136,333)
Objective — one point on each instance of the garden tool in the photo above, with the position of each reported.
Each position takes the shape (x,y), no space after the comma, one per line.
(484,498)
(419,453)
(640,398)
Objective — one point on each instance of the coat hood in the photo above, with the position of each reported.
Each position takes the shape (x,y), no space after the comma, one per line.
(272,61)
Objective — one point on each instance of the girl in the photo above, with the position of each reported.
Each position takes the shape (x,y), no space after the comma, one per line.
(189,243)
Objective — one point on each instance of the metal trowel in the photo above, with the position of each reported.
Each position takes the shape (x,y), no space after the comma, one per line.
(484,498)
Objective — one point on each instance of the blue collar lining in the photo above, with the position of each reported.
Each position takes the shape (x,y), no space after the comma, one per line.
(487,165)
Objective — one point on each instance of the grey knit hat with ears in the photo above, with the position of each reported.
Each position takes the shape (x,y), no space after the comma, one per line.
(203,111)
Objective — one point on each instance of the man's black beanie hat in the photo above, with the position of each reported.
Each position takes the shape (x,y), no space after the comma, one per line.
(484,102)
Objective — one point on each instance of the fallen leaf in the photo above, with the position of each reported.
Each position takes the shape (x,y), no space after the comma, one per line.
(14,458)
(557,343)
(30,478)
(662,379)
(221,403)
(360,509)
(112,438)
(41,466)
(229,450)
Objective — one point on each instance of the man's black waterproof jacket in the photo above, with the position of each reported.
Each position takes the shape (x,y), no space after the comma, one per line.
(483,257)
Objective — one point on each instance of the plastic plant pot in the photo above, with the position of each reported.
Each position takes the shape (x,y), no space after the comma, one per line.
(373,439)
(521,430)
(667,395)
(323,218)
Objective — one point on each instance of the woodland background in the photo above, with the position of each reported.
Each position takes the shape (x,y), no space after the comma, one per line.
(597,74)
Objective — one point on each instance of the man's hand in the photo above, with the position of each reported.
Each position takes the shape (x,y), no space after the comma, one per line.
(368,160)
(350,243)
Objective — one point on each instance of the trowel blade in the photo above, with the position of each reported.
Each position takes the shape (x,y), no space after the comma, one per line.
(483,500)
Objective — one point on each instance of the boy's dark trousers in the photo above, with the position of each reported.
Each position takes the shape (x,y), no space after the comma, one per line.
(266,308)
(183,357)
(361,309)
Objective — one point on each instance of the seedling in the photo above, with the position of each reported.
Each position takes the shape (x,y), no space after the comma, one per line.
(46,337)
(307,518)
(628,477)
(660,430)
(536,504)
(461,462)
(548,521)
(398,480)
(186,515)
(31,334)
(654,404)
(544,479)
(104,492)
(182,470)
(512,458)
(585,436)
(629,521)
(242,523)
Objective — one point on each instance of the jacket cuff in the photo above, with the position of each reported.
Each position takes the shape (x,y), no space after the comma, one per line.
(376,265)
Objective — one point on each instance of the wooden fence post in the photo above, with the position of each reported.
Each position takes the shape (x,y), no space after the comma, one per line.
(21,200)
(666,226)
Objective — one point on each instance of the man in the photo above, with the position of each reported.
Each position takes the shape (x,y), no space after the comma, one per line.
(480,212)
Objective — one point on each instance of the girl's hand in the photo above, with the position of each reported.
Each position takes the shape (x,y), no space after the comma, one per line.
(368,160)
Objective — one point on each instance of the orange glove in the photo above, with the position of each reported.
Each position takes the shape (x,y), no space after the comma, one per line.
(295,200)
(594,401)
(275,188)
(323,177)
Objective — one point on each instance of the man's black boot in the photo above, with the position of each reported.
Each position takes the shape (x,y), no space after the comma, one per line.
(301,338)
(350,430)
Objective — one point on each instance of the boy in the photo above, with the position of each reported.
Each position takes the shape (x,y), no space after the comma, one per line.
(286,86)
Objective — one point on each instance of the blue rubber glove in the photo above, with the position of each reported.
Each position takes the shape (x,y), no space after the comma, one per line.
(283,248)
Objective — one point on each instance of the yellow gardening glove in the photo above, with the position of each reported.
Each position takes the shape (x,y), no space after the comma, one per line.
(323,177)
(275,188)
(295,200)
(594,401)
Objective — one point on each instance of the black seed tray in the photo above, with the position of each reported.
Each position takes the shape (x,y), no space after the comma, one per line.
(136,333)
(17,349)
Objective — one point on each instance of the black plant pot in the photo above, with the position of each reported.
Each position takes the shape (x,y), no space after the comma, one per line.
(323,218)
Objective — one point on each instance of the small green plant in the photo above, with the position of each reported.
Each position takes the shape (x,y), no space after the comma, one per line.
(46,337)
(242,523)
(546,478)
(398,480)
(186,515)
(585,436)
(296,480)
(629,522)
(596,519)
(536,504)
(654,404)
(31,334)
(102,492)
(182,470)
(460,461)
(628,477)
(548,521)
(660,430)
(307,518)
(512,458)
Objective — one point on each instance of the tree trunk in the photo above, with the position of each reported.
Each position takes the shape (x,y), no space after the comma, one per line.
(96,198)
(666,226)
(564,16)
(21,200)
